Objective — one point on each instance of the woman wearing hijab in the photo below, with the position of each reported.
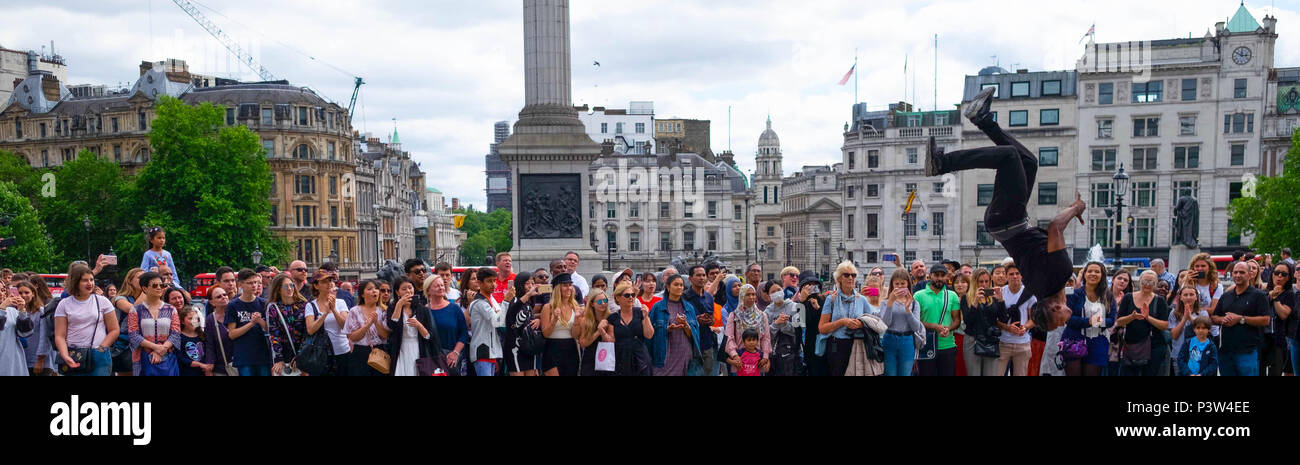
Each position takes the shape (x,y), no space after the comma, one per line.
(732,285)
(747,316)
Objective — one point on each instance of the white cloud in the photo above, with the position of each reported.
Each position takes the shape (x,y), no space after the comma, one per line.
(447,70)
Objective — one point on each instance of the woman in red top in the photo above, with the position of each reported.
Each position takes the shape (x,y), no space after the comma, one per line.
(645,291)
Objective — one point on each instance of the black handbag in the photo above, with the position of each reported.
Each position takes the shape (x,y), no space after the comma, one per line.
(314,357)
(931,348)
(82,355)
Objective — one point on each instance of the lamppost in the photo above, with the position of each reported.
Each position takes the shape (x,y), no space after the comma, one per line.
(488,259)
(977,253)
(761,250)
(257,255)
(1121,188)
(841,251)
(379,244)
(755,240)
(816,250)
(85,221)
(789,248)
(334,257)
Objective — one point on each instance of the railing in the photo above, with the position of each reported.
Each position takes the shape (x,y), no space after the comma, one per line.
(941,131)
(911,132)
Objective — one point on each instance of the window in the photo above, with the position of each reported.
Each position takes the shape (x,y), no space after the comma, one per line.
(1105,128)
(1238,154)
(913,121)
(1189,90)
(736,212)
(941,119)
(713,240)
(1020,89)
(334,216)
(936,256)
(1103,160)
(611,240)
(826,249)
(688,210)
(853,161)
(1099,233)
(45,158)
(143,122)
(1048,156)
(1239,88)
(1018,118)
(611,210)
(230,117)
(114,121)
(329,150)
(1144,194)
(1187,125)
(736,241)
(665,241)
(305,250)
(303,152)
(1105,93)
(873,191)
(117,153)
(634,239)
(1146,127)
(849,194)
(1239,123)
(909,224)
(1044,224)
(304,184)
(268,145)
(1187,188)
(634,210)
(984,194)
(994,86)
(1148,92)
(873,225)
(937,188)
(604,128)
(334,185)
(911,155)
(936,223)
(1050,117)
(275,214)
(1233,238)
(1101,194)
(849,226)
(640,128)
(1144,158)
(663,210)
(826,226)
(1234,191)
(713,209)
(873,159)
(268,118)
(910,187)
(42,125)
(765,195)
(1051,88)
(1187,157)
(873,256)
(982,236)
(618,128)
(302,116)
(273,179)
(771,231)
(909,256)
(304,215)
(1047,193)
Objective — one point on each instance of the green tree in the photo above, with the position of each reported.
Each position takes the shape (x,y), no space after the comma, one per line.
(14,168)
(207,185)
(31,251)
(483,232)
(96,188)
(1272,214)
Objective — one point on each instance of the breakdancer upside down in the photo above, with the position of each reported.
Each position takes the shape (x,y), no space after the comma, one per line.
(1040,254)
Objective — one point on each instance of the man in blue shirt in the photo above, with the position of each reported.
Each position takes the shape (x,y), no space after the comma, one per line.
(1158,266)
(700,296)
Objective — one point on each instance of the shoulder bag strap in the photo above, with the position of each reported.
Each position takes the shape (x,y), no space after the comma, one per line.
(94,329)
(217,329)
(287,335)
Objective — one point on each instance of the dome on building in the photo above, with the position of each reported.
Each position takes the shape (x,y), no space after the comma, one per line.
(991,70)
(769,138)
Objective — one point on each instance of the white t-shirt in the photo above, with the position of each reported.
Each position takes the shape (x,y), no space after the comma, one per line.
(452,294)
(81,315)
(1011,301)
(1206,298)
(580,283)
(332,328)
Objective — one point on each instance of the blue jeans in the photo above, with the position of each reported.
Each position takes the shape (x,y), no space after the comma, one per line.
(1239,363)
(255,370)
(1295,354)
(484,368)
(103,364)
(900,352)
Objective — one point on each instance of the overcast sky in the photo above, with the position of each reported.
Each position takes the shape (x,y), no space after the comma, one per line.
(447,70)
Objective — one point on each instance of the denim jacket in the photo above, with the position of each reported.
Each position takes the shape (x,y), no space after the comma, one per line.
(658,345)
(1209,359)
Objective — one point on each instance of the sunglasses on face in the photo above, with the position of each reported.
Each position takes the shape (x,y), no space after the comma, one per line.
(157,286)
(629,295)
(418,271)
(602,301)
(300,270)
(222,296)
(849,275)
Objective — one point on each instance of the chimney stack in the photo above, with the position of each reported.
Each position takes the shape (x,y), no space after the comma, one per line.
(1270,24)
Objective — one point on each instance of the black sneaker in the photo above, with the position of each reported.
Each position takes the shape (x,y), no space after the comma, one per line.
(932,154)
(979,106)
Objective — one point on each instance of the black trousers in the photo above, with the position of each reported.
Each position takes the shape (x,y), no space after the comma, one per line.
(1016,167)
(838,352)
(944,364)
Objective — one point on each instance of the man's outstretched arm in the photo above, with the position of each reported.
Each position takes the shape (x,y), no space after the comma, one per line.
(1056,230)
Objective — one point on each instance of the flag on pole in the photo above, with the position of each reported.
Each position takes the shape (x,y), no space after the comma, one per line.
(910,199)
(849,74)
(1092,31)
(904,64)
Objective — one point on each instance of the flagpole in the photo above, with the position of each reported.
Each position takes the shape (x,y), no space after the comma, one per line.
(855,75)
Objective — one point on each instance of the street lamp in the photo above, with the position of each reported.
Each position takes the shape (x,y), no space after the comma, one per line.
(977,253)
(816,250)
(257,255)
(379,244)
(334,257)
(762,249)
(841,251)
(755,239)
(789,248)
(491,254)
(1121,188)
(85,221)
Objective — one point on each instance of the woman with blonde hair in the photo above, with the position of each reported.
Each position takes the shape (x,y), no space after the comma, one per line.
(593,326)
(631,328)
(123,303)
(1204,276)
(980,309)
(558,316)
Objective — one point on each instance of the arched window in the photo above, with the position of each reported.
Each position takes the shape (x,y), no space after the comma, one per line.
(304,152)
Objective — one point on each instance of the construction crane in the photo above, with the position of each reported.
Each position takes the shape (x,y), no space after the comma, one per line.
(248,60)
(225,40)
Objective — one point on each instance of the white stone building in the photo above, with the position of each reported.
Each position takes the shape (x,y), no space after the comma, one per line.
(631,129)
(767,189)
(812,217)
(1193,129)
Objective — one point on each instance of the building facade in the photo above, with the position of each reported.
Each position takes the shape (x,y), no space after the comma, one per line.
(499,190)
(1039,110)
(1281,118)
(883,163)
(17,65)
(812,215)
(445,240)
(1190,130)
(631,129)
(683,135)
(769,231)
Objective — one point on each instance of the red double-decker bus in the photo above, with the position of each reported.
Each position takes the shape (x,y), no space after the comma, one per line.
(202,282)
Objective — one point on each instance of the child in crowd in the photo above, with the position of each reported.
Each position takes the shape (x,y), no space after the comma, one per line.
(1199,357)
(189,354)
(750,356)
